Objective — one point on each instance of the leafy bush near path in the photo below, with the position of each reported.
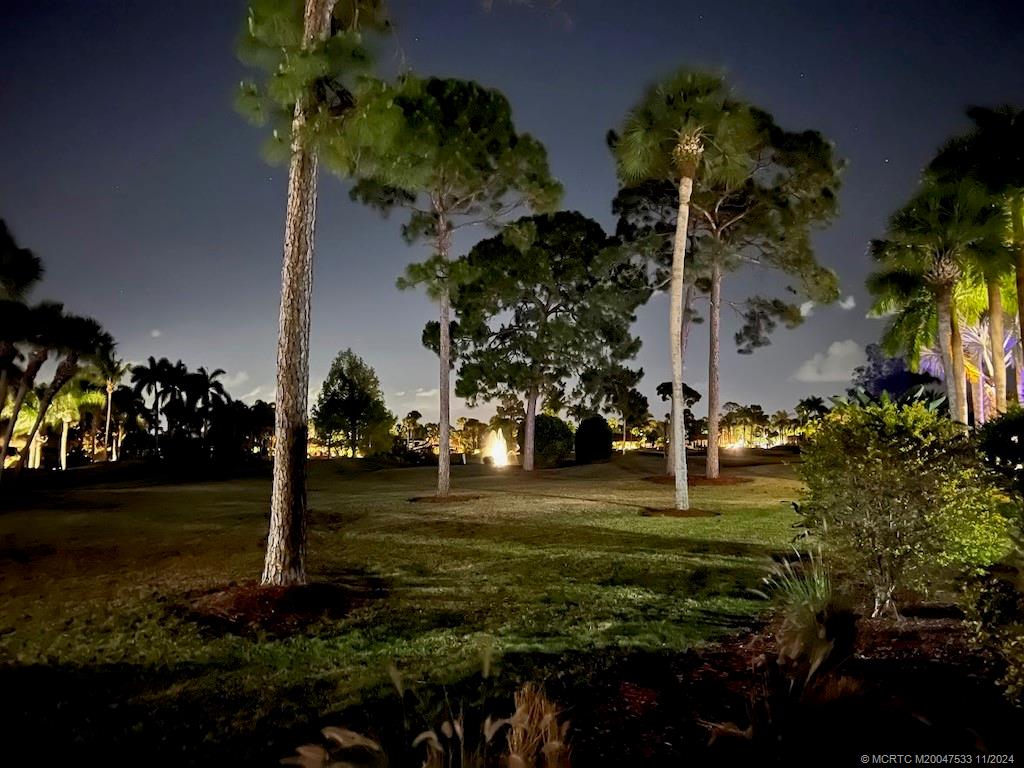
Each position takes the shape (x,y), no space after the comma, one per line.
(895,492)
(552,441)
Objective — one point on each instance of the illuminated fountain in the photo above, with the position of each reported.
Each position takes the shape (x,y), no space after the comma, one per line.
(496,448)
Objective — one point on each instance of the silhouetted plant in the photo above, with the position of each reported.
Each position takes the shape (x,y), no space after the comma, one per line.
(593,440)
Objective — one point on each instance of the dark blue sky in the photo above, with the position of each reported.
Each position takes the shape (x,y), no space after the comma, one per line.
(125,167)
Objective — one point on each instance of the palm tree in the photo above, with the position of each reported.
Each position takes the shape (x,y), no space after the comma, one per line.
(42,332)
(80,337)
(810,408)
(112,370)
(202,393)
(783,423)
(67,408)
(663,138)
(20,270)
(992,154)
(929,243)
(157,378)
(131,417)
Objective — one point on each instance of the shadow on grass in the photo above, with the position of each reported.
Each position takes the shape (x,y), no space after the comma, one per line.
(448,532)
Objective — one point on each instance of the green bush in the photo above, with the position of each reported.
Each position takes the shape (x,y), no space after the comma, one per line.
(593,440)
(552,441)
(1002,446)
(896,492)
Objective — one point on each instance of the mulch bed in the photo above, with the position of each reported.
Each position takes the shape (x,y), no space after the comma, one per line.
(454,499)
(672,512)
(249,607)
(699,480)
(916,685)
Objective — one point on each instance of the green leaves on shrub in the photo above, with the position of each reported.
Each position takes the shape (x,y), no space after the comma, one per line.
(552,441)
(895,492)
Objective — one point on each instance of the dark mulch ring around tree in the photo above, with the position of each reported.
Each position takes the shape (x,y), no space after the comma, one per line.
(672,512)
(699,480)
(250,608)
(453,499)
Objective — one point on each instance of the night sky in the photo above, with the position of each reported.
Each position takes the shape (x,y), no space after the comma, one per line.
(125,167)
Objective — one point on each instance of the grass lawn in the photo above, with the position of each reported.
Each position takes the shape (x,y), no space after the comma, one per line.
(99,651)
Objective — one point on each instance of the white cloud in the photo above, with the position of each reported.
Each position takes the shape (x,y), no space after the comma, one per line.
(399,394)
(234,380)
(252,394)
(156,333)
(835,365)
(427,392)
(807,309)
(848,303)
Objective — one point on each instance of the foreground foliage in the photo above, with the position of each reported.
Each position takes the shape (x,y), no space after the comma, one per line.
(895,492)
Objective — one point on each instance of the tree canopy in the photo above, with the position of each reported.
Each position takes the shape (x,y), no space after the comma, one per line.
(350,408)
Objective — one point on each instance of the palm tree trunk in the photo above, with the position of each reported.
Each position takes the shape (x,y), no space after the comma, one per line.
(1018,368)
(285,562)
(65,427)
(1017,228)
(997,333)
(978,397)
(675,327)
(106,431)
(35,452)
(959,369)
(714,361)
(943,304)
(530,430)
(28,380)
(688,295)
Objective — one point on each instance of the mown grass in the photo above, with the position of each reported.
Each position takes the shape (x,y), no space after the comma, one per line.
(96,641)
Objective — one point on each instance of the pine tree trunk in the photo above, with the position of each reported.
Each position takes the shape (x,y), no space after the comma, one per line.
(714,361)
(997,333)
(444,454)
(65,427)
(943,311)
(675,329)
(285,562)
(530,431)
(959,369)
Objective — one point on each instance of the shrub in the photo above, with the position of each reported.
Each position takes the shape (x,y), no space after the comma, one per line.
(895,490)
(815,627)
(552,441)
(1002,447)
(593,440)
